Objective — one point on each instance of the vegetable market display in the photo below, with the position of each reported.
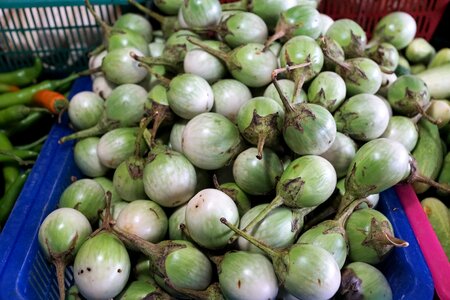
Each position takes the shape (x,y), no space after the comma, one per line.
(223,163)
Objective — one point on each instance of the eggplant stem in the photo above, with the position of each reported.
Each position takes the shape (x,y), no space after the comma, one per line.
(106,28)
(346,200)
(279,33)
(157,120)
(276,202)
(217,53)
(159,18)
(287,105)
(343,216)
(216,182)
(237,5)
(298,85)
(299,217)
(422,111)
(98,129)
(272,253)
(322,216)
(414,177)
(142,126)
(396,241)
(261,141)
(97,50)
(146,247)
(60,268)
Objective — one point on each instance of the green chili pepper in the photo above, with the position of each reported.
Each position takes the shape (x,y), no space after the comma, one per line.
(10,170)
(33,145)
(25,124)
(17,155)
(16,113)
(12,193)
(7,88)
(25,96)
(24,76)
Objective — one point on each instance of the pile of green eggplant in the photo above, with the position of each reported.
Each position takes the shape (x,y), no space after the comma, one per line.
(238,152)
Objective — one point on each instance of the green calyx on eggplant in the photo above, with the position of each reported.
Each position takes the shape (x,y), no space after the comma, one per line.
(371,236)
(349,35)
(409,96)
(297,20)
(260,121)
(360,280)
(385,55)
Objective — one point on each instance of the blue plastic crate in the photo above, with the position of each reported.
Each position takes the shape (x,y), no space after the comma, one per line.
(25,274)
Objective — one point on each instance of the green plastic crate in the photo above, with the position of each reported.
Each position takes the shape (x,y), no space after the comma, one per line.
(60,32)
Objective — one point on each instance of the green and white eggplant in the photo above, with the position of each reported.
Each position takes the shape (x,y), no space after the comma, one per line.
(361,75)
(254,174)
(308,181)
(378,165)
(360,279)
(189,95)
(279,229)
(349,35)
(370,236)
(210,141)
(341,153)
(176,222)
(236,194)
(145,219)
(328,90)
(308,128)
(203,213)
(242,28)
(169,178)
(247,276)
(409,96)
(115,146)
(397,28)
(139,290)
(201,13)
(385,55)
(176,134)
(439,110)
(325,22)
(85,109)
(249,63)
(136,23)
(201,63)
(120,68)
(363,117)
(86,158)
(300,50)
(298,20)
(108,186)
(229,96)
(127,179)
(86,196)
(102,267)
(402,130)
(169,7)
